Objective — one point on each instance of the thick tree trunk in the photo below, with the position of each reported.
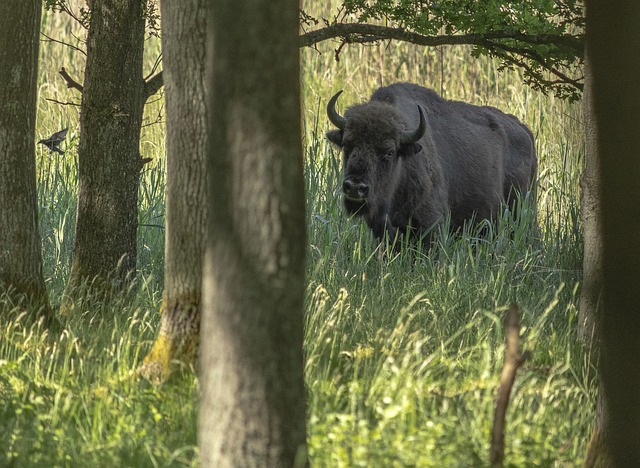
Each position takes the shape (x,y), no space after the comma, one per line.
(598,455)
(20,245)
(108,155)
(183,50)
(252,407)
(614,50)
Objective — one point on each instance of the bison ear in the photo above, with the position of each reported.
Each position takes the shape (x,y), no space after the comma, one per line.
(409,149)
(335,137)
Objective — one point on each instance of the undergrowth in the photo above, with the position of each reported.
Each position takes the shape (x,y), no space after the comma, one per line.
(402,354)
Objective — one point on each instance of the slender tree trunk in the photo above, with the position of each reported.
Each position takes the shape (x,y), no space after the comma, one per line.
(183,49)
(614,50)
(252,408)
(108,156)
(591,292)
(20,245)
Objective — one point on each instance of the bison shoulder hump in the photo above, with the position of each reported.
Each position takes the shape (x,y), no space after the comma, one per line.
(383,95)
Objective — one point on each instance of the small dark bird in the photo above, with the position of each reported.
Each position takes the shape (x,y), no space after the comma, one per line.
(53,142)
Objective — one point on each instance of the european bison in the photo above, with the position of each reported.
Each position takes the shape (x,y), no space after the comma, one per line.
(412,158)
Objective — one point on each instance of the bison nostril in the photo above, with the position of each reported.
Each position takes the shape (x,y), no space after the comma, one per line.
(347,186)
(353,189)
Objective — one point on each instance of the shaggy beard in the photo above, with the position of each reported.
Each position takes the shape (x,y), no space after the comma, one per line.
(355,207)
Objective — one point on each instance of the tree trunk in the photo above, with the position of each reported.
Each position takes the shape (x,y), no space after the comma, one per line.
(108,155)
(252,407)
(614,50)
(20,245)
(590,306)
(183,50)
(591,292)
(598,455)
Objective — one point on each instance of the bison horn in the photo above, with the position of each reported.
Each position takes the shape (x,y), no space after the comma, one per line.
(413,136)
(335,118)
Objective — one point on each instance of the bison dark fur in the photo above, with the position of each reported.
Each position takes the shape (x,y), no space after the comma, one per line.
(405,169)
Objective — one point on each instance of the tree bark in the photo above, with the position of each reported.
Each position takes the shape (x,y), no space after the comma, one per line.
(183,48)
(252,407)
(590,306)
(20,244)
(109,160)
(598,454)
(591,292)
(614,51)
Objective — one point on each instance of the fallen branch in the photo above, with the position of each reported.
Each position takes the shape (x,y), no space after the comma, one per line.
(513,360)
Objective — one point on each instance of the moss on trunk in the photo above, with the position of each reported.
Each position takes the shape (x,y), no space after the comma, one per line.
(176,346)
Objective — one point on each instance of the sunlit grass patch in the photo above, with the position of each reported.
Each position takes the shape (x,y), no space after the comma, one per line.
(74,399)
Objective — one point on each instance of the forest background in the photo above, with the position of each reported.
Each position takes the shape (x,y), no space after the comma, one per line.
(401,359)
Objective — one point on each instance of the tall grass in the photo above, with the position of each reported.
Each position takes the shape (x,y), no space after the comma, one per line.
(402,355)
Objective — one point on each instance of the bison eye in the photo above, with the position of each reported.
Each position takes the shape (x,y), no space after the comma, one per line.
(389,154)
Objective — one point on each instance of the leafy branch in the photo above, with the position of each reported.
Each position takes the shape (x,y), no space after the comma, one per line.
(544,38)
(361,33)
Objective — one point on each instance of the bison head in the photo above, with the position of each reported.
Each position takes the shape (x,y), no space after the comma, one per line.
(374,141)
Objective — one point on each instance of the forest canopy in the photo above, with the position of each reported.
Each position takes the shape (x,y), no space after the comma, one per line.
(544,38)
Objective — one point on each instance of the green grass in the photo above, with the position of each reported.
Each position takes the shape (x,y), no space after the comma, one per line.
(402,355)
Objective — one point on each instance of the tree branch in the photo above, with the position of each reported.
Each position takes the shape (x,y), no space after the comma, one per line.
(358,32)
(508,45)
(62,103)
(157,120)
(536,57)
(367,33)
(153,84)
(512,361)
(71,83)
(68,11)
(51,39)
(155,66)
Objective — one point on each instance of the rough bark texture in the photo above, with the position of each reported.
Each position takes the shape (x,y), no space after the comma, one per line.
(614,51)
(591,292)
(252,408)
(183,50)
(108,155)
(20,245)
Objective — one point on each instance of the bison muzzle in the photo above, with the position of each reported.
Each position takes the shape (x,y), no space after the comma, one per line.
(413,160)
